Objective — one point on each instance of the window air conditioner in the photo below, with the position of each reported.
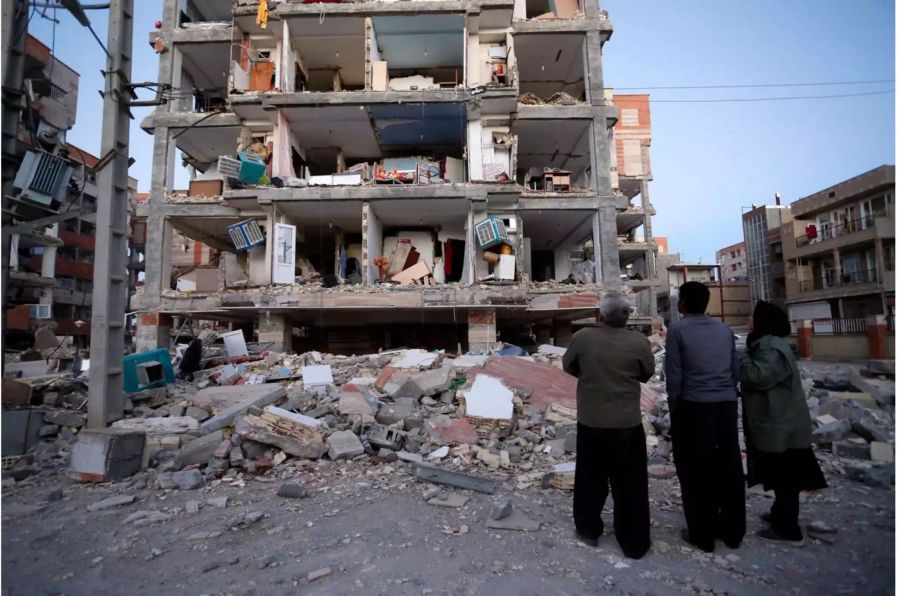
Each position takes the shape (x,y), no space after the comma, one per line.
(43,178)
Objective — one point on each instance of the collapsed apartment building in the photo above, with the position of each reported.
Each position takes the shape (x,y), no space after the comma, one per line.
(378,174)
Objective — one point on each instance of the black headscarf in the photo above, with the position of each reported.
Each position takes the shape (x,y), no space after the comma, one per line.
(769,319)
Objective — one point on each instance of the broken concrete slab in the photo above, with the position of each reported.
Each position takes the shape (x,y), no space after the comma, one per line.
(344,445)
(832,432)
(317,376)
(218,502)
(170,425)
(198,414)
(444,429)
(546,384)
(880,452)
(452,500)
(410,457)
(489,398)
(870,430)
(415,359)
(294,434)
(389,414)
(428,473)
(434,381)
(863,399)
(65,418)
(244,397)
(356,400)
(516,520)
(108,454)
(882,392)
(111,502)
(199,450)
(184,480)
(853,448)
(469,361)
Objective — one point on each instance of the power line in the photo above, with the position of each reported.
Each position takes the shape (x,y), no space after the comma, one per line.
(783,98)
(755,85)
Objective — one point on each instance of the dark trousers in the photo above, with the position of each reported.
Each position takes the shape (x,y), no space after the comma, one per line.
(613,458)
(785,513)
(708,462)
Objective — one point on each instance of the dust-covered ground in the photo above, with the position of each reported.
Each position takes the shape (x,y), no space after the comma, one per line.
(366,529)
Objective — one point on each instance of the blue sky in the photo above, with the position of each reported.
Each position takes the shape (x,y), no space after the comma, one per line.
(709,160)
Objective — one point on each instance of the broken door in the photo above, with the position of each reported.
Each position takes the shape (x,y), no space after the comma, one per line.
(285,254)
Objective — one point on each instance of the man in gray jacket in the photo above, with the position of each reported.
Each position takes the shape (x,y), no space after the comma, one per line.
(611,362)
(702,374)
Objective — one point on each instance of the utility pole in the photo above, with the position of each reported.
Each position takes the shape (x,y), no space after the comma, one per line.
(106,391)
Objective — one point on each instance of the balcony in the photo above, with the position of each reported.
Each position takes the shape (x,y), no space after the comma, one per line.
(827,237)
(830,285)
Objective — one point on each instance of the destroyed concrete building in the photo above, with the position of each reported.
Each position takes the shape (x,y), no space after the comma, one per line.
(380,174)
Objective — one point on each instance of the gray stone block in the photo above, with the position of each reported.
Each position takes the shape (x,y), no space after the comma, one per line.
(107,454)
(200,450)
(344,445)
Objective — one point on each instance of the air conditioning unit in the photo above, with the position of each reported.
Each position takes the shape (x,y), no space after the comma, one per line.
(39,311)
(43,178)
(245,235)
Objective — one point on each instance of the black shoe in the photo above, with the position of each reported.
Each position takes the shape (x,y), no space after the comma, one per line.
(774,537)
(586,539)
(686,536)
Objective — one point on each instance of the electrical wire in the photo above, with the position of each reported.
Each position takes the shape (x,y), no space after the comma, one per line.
(753,85)
(783,98)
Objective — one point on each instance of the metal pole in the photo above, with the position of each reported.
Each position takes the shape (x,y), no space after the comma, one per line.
(106,392)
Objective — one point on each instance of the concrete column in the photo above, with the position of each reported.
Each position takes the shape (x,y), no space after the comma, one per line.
(482,331)
(154,330)
(804,338)
(275,329)
(593,66)
(836,255)
(876,329)
(609,246)
(879,260)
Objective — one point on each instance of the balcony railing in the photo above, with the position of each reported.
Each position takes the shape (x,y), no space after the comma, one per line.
(839,326)
(829,231)
(848,278)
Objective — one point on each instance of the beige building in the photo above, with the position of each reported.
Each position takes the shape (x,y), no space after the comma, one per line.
(728,301)
(839,249)
(733,262)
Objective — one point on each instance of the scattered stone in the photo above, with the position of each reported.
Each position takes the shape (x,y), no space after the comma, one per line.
(344,445)
(264,561)
(881,452)
(453,500)
(218,502)
(661,471)
(820,527)
(387,455)
(870,430)
(198,414)
(146,518)
(410,457)
(318,574)
(112,502)
(516,520)
(192,507)
(184,480)
(55,495)
(253,517)
(500,508)
(832,432)
(198,451)
(292,491)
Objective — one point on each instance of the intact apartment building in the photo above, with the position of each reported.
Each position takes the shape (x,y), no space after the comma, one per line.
(732,262)
(51,268)
(762,242)
(839,249)
(335,147)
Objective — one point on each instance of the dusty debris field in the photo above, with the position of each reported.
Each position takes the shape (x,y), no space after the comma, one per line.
(366,529)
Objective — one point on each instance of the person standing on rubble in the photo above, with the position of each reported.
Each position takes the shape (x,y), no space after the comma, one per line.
(702,373)
(610,363)
(777,425)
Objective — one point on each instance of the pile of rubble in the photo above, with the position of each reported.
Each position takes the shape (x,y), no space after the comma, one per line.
(465,421)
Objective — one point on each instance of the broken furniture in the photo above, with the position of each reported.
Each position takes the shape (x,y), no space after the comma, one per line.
(557,180)
(146,370)
(418,274)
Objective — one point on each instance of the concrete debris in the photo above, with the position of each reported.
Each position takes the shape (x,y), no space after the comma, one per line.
(437,475)
(452,500)
(501,507)
(117,501)
(516,520)
(344,445)
(318,574)
(184,480)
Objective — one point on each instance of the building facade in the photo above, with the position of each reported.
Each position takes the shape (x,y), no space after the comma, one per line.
(732,261)
(385,173)
(839,249)
(759,223)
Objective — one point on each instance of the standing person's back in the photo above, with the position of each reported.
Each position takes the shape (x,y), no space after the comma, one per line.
(702,373)
(611,362)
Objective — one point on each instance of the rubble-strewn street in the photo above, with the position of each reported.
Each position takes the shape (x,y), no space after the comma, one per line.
(406,472)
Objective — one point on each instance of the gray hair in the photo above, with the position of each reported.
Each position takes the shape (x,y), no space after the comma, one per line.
(615,308)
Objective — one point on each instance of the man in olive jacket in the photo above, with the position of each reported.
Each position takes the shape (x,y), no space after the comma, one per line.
(611,362)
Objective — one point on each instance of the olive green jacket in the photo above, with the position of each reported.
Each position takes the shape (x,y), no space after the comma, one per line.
(775,413)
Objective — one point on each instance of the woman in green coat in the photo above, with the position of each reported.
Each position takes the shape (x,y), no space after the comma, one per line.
(777,425)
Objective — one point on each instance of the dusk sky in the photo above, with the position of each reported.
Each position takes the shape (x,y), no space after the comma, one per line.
(710,160)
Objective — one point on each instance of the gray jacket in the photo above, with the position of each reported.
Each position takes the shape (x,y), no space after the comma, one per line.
(701,361)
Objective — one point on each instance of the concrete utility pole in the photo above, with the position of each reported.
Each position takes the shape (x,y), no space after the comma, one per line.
(106,392)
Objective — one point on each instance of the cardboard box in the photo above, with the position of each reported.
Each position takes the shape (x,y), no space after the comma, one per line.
(205,188)
(379,75)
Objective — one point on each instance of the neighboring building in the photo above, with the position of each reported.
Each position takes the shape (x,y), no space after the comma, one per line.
(839,249)
(630,175)
(662,245)
(383,128)
(759,223)
(732,261)
(728,301)
(51,269)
